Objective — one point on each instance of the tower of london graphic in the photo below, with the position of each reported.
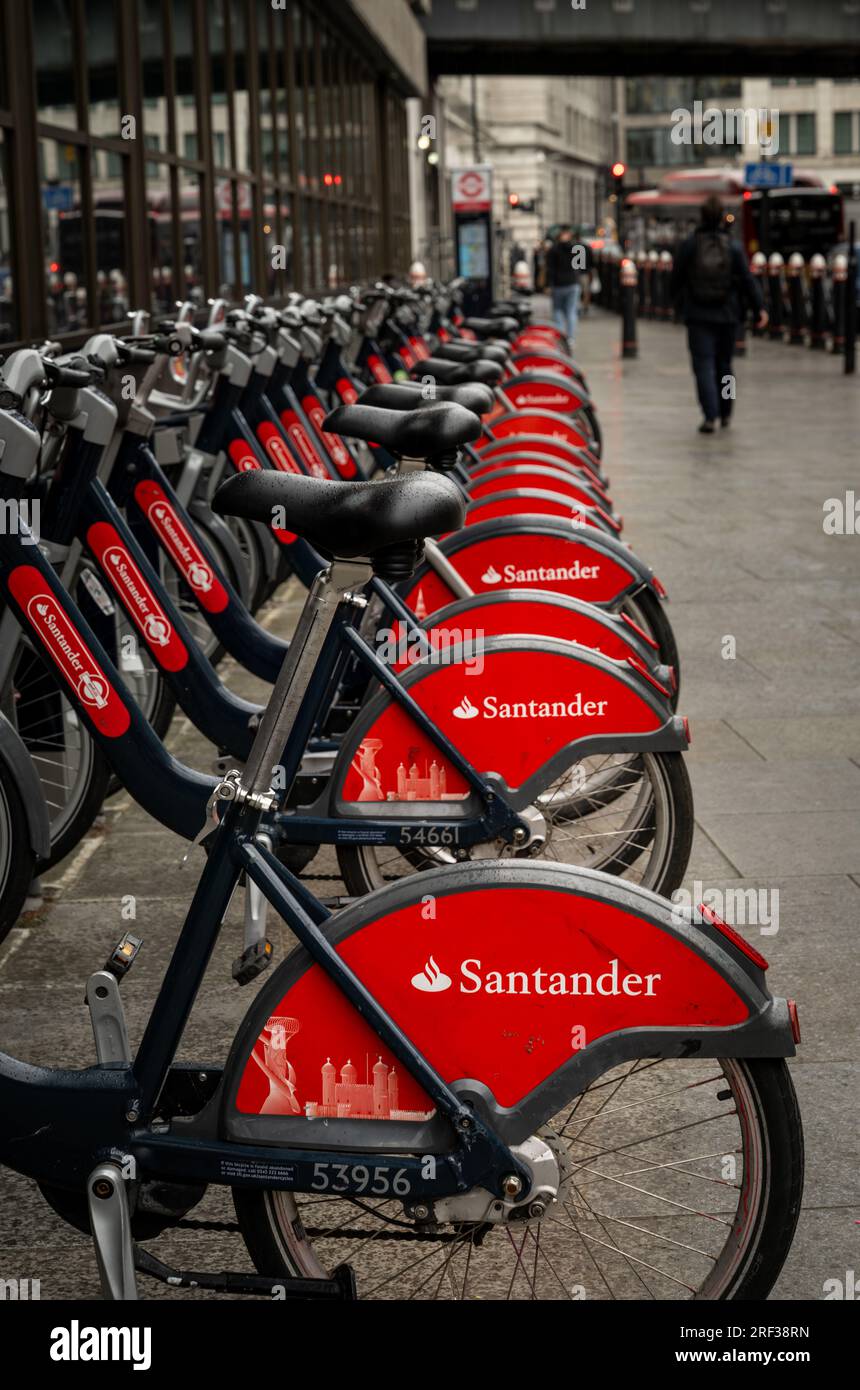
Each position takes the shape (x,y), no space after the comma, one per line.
(347,1098)
(352,1099)
(412,784)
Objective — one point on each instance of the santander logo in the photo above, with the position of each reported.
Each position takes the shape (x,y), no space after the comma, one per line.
(431,980)
(540,573)
(611,982)
(465,709)
(90,684)
(199,576)
(491,707)
(157,628)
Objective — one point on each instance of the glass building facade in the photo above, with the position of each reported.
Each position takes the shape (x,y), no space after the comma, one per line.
(157,150)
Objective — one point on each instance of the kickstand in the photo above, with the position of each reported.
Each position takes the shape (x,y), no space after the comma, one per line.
(110,1224)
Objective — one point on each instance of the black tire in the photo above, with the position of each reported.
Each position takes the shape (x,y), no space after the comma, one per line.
(254,560)
(17,856)
(646,609)
(87,810)
(746,1273)
(589,415)
(183,598)
(360,873)
(160,719)
(43,718)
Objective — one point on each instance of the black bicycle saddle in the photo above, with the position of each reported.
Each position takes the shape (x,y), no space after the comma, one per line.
(471,352)
(406,395)
(500,326)
(437,428)
(458,373)
(347,519)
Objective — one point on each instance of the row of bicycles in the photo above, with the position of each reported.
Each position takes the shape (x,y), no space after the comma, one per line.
(504,1064)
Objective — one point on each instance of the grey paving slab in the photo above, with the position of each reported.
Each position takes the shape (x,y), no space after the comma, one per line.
(789,842)
(801,737)
(714,740)
(813,785)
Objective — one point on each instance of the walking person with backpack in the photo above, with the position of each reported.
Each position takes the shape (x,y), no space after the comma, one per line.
(563,279)
(712,287)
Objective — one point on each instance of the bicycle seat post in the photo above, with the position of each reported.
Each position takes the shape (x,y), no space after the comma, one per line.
(342,580)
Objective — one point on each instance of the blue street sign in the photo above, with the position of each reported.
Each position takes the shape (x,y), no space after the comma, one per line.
(766,175)
(59,197)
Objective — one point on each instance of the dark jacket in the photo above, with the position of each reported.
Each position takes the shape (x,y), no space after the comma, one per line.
(559,265)
(745,292)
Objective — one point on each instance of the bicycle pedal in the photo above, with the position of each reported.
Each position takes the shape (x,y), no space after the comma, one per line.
(123,955)
(253,961)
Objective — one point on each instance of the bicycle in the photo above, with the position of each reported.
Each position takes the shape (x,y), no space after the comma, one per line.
(467,1139)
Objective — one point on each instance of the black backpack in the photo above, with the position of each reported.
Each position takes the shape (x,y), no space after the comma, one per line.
(711,270)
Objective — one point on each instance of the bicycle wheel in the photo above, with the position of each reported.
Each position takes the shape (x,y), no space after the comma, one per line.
(144,683)
(183,599)
(649,613)
(252,559)
(680,1179)
(629,816)
(73,771)
(17,859)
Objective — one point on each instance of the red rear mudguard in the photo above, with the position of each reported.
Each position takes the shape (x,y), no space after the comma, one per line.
(521,474)
(539,615)
(534,552)
(516,501)
(538,448)
(541,422)
(542,359)
(495,973)
(545,390)
(524,712)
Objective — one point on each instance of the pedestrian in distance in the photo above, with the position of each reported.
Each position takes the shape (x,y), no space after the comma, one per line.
(712,288)
(563,276)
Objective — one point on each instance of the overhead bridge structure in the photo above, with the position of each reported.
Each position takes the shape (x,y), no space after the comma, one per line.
(685,37)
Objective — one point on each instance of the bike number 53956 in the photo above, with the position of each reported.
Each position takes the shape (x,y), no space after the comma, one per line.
(340,1177)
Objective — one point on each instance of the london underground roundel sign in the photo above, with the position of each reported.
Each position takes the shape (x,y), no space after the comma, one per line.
(471,189)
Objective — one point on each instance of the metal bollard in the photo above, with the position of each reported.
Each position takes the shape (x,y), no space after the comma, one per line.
(796,301)
(665,282)
(777,307)
(840,302)
(629,277)
(642,295)
(758,268)
(818,308)
(653,264)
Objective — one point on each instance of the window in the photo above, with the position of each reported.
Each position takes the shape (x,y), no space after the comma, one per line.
(268,113)
(8,316)
(845,132)
(63,237)
(53,41)
(805,134)
(102,97)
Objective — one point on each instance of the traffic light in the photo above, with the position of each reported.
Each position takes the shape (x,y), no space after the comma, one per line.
(618,172)
(518,204)
(514,199)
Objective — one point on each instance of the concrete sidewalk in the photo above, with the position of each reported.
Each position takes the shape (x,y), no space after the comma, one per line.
(763,603)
